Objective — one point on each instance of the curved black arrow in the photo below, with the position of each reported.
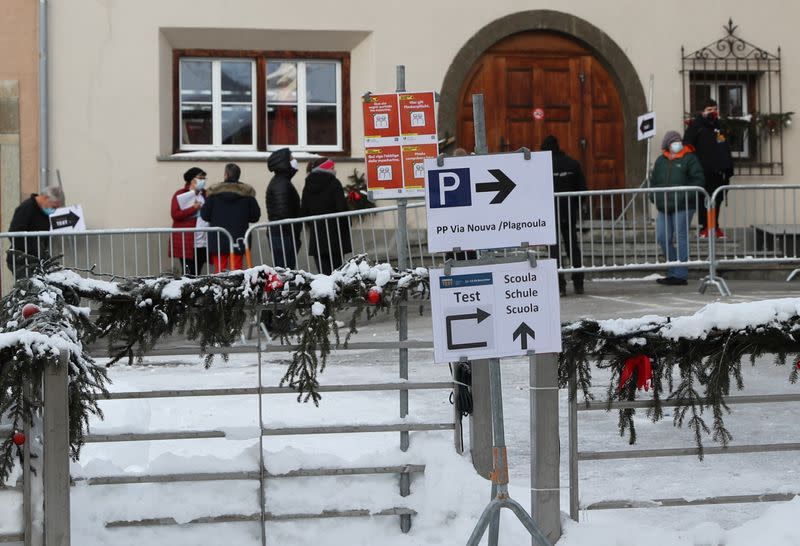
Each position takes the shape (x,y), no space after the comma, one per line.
(523,331)
(64,220)
(504,186)
(480,315)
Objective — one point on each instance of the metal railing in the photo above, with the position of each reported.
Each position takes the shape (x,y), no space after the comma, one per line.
(120,252)
(323,242)
(576,456)
(261,474)
(597,231)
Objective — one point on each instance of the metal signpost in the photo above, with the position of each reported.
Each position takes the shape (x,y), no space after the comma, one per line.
(494,306)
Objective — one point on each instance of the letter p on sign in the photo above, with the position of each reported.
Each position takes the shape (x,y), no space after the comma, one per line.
(449,188)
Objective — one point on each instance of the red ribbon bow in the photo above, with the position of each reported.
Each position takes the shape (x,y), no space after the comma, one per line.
(644,372)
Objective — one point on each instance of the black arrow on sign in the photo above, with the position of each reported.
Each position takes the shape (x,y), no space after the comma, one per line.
(504,186)
(64,220)
(646,125)
(479,314)
(523,331)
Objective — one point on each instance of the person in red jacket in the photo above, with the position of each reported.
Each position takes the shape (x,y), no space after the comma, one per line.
(189,248)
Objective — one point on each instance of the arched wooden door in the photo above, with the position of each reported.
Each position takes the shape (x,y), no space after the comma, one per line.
(547,72)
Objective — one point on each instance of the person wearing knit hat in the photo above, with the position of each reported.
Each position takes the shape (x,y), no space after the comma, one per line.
(328,240)
(676,167)
(187,247)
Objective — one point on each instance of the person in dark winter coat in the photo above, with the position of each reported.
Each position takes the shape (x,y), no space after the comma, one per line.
(232,206)
(713,150)
(189,248)
(329,240)
(677,166)
(33,214)
(567,176)
(283,202)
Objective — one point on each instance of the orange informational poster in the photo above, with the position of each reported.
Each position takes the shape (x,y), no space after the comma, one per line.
(381,119)
(384,170)
(413,167)
(392,121)
(417,117)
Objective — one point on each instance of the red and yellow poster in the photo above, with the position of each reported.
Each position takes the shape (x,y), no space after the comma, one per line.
(413,169)
(399,133)
(384,169)
(381,116)
(417,114)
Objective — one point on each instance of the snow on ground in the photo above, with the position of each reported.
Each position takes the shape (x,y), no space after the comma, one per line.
(450,496)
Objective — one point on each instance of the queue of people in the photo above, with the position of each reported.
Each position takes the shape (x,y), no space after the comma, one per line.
(232,206)
(701,158)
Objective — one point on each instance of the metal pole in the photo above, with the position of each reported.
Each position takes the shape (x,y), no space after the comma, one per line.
(649,140)
(480,429)
(262,475)
(44,152)
(56,454)
(545,492)
(27,475)
(401,236)
(574,495)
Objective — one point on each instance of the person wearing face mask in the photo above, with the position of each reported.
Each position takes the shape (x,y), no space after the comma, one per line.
(676,166)
(712,146)
(283,203)
(189,248)
(33,214)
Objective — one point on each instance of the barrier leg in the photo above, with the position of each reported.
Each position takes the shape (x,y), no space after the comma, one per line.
(712,279)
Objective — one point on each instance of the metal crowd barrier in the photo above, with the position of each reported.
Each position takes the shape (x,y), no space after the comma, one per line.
(118,252)
(597,231)
(313,242)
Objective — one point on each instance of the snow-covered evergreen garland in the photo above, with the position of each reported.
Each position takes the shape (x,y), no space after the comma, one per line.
(133,314)
(691,361)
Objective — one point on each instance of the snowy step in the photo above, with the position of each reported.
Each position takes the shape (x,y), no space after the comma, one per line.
(346,429)
(671,502)
(268,516)
(12,538)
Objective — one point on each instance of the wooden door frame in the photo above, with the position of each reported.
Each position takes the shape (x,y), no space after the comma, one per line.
(629,85)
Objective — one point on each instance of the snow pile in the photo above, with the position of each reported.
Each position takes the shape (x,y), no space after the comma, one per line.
(720,316)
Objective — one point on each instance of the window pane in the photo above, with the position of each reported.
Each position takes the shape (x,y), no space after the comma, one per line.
(237,124)
(700,92)
(196,81)
(196,125)
(236,81)
(281,81)
(321,123)
(281,124)
(731,100)
(321,82)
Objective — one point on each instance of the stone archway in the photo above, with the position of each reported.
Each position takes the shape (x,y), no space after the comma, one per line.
(608,53)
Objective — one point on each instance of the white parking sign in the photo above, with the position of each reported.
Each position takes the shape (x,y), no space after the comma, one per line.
(490,201)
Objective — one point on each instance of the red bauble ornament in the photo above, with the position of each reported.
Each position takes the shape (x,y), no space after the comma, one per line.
(274,282)
(277,284)
(357,196)
(798,365)
(373,296)
(18,438)
(29,309)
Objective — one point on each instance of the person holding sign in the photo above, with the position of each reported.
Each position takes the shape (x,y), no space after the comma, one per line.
(33,214)
(677,166)
(187,247)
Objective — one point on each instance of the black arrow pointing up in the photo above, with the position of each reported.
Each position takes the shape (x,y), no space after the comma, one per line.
(504,186)
(480,315)
(64,220)
(523,331)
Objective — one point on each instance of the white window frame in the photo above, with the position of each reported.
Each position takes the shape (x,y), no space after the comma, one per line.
(714,85)
(216,105)
(302,108)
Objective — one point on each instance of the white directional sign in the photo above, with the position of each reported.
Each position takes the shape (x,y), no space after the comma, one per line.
(67,219)
(646,126)
(490,201)
(493,311)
